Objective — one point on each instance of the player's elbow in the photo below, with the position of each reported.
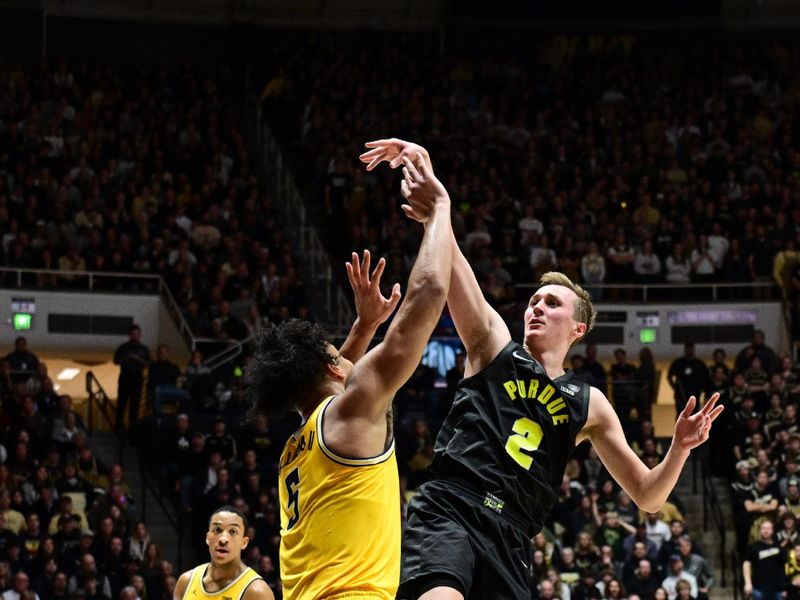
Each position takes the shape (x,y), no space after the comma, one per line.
(429,287)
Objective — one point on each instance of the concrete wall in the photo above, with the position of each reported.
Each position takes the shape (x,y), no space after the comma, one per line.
(767,316)
(148,311)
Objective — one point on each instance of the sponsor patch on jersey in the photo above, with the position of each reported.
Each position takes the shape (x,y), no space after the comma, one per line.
(494,503)
(570,388)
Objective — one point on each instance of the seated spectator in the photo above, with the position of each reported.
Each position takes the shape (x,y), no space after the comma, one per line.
(678,573)
(678,267)
(697,566)
(21,589)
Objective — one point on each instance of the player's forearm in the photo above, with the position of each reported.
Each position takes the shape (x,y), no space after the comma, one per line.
(660,481)
(471,314)
(357,342)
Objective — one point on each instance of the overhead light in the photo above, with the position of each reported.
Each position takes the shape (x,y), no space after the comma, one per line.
(56,387)
(67,374)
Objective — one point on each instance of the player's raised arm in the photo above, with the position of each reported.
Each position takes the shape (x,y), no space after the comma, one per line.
(648,488)
(481,329)
(380,373)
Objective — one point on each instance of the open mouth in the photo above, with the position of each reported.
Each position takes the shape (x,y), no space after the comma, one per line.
(221,551)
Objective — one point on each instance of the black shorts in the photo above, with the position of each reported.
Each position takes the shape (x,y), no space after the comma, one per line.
(451,539)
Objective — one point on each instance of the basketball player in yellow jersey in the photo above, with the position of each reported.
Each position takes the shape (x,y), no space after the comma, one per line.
(339,490)
(226,577)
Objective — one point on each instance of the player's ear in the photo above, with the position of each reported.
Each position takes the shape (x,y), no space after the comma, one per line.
(208,543)
(580,330)
(245,541)
(335,372)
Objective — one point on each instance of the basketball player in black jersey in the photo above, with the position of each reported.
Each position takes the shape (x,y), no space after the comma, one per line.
(517,416)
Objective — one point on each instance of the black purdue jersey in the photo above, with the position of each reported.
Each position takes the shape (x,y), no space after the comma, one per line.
(511,431)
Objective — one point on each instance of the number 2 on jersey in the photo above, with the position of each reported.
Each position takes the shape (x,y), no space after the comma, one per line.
(292,482)
(526,438)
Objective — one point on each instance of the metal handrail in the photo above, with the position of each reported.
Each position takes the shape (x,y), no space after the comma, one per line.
(228,354)
(712,509)
(98,397)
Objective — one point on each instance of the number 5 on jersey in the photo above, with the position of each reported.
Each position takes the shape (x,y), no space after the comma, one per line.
(292,483)
(526,438)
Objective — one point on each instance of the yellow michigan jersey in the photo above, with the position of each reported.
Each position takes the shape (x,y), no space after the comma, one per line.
(233,591)
(340,519)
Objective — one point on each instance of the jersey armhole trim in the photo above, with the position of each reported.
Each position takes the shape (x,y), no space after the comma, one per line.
(256,577)
(347,461)
(191,580)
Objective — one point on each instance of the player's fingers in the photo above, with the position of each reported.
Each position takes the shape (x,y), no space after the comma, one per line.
(376,274)
(715,413)
(395,297)
(689,408)
(356,268)
(365,267)
(377,143)
(422,166)
(411,169)
(404,189)
(349,268)
(375,162)
(709,406)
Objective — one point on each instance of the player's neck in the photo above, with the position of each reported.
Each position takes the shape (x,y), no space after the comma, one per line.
(223,574)
(328,389)
(551,360)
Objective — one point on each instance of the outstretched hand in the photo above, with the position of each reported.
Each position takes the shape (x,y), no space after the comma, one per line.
(421,189)
(371,305)
(393,151)
(691,430)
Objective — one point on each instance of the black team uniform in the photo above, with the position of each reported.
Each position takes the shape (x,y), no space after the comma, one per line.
(499,462)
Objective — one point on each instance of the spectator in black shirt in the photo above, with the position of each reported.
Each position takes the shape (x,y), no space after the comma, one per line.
(763,566)
(688,376)
(24,363)
(133,358)
(757,347)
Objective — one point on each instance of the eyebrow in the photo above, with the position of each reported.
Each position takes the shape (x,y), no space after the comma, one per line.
(547,295)
(222,524)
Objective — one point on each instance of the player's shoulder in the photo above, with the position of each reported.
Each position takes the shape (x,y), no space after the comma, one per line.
(182,584)
(258,590)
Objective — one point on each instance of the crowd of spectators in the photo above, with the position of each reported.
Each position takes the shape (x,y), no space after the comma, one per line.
(617,164)
(146,171)
(614,161)
(69,524)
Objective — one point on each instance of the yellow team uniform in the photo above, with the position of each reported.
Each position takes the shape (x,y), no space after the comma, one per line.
(340,520)
(233,591)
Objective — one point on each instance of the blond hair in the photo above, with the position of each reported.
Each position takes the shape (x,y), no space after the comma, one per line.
(584,311)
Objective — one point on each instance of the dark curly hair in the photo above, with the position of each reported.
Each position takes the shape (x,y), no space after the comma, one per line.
(288,364)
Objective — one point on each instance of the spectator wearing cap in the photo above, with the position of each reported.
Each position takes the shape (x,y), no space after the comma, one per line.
(763,566)
(678,573)
(66,511)
(791,468)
